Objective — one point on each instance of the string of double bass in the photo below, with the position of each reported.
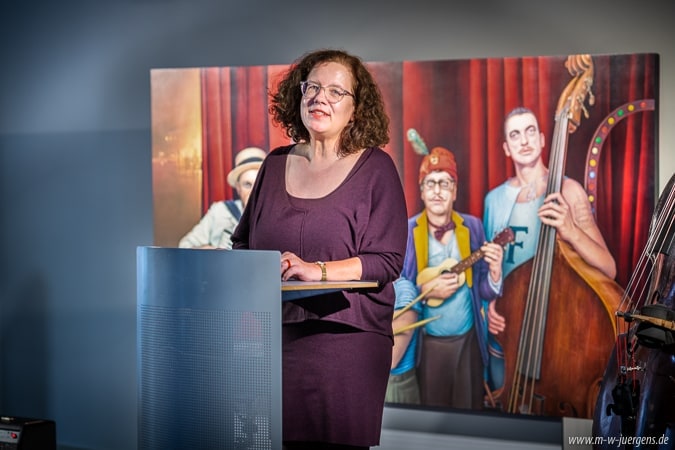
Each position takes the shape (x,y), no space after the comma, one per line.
(531,341)
(636,293)
(662,225)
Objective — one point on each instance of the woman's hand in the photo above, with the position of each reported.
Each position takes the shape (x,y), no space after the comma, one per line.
(294,268)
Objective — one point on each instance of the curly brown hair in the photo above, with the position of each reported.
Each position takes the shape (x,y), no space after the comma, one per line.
(370,127)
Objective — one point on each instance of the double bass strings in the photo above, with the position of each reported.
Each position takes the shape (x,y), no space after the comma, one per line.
(660,239)
(531,343)
(663,227)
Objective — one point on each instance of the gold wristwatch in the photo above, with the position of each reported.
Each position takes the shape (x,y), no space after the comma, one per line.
(323,269)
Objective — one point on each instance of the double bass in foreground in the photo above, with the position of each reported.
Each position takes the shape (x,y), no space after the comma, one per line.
(559,310)
(635,408)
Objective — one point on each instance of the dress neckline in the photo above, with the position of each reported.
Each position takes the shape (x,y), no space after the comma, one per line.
(359,162)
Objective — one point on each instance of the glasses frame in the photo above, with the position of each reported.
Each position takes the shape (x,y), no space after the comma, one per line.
(430,184)
(304,85)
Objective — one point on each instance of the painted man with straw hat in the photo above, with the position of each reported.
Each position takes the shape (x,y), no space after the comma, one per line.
(216,227)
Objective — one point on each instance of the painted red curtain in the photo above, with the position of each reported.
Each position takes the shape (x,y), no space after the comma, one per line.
(460,105)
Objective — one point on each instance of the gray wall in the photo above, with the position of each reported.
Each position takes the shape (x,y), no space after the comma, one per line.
(75,153)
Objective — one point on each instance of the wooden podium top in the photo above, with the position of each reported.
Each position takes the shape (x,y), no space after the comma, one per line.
(294,290)
(294,285)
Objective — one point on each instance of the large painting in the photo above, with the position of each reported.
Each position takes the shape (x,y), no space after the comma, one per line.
(202,117)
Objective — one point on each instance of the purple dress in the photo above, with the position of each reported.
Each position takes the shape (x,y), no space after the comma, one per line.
(336,347)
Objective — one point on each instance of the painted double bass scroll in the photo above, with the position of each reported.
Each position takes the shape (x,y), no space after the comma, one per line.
(636,404)
(559,310)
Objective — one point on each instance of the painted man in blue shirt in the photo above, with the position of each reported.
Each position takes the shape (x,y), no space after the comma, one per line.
(521,204)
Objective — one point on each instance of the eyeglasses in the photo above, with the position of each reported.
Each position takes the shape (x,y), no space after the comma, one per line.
(333,94)
(445,184)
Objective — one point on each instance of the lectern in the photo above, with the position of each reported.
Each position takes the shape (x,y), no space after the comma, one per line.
(209,349)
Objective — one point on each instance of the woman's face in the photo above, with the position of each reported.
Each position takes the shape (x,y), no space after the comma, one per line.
(323,119)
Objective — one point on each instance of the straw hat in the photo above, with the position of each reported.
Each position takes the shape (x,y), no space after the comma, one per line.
(247,159)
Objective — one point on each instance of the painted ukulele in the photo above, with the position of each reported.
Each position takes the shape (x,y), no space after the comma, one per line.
(451,265)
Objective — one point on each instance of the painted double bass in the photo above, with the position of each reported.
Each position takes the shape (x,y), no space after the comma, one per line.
(559,310)
(636,404)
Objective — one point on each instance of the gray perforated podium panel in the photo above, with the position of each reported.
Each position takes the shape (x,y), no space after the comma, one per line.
(209,349)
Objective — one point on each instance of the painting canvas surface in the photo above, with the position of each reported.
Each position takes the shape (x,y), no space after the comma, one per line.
(201,118)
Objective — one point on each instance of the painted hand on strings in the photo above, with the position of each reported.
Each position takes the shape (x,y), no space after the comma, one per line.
(444,286)
(556,212)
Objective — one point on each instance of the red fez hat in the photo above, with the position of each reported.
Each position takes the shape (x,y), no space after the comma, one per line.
(438,159)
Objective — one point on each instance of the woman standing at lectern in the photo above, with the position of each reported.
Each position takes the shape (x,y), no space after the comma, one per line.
(333,205)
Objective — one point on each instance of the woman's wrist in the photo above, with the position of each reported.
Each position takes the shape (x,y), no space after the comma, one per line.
(322,266)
